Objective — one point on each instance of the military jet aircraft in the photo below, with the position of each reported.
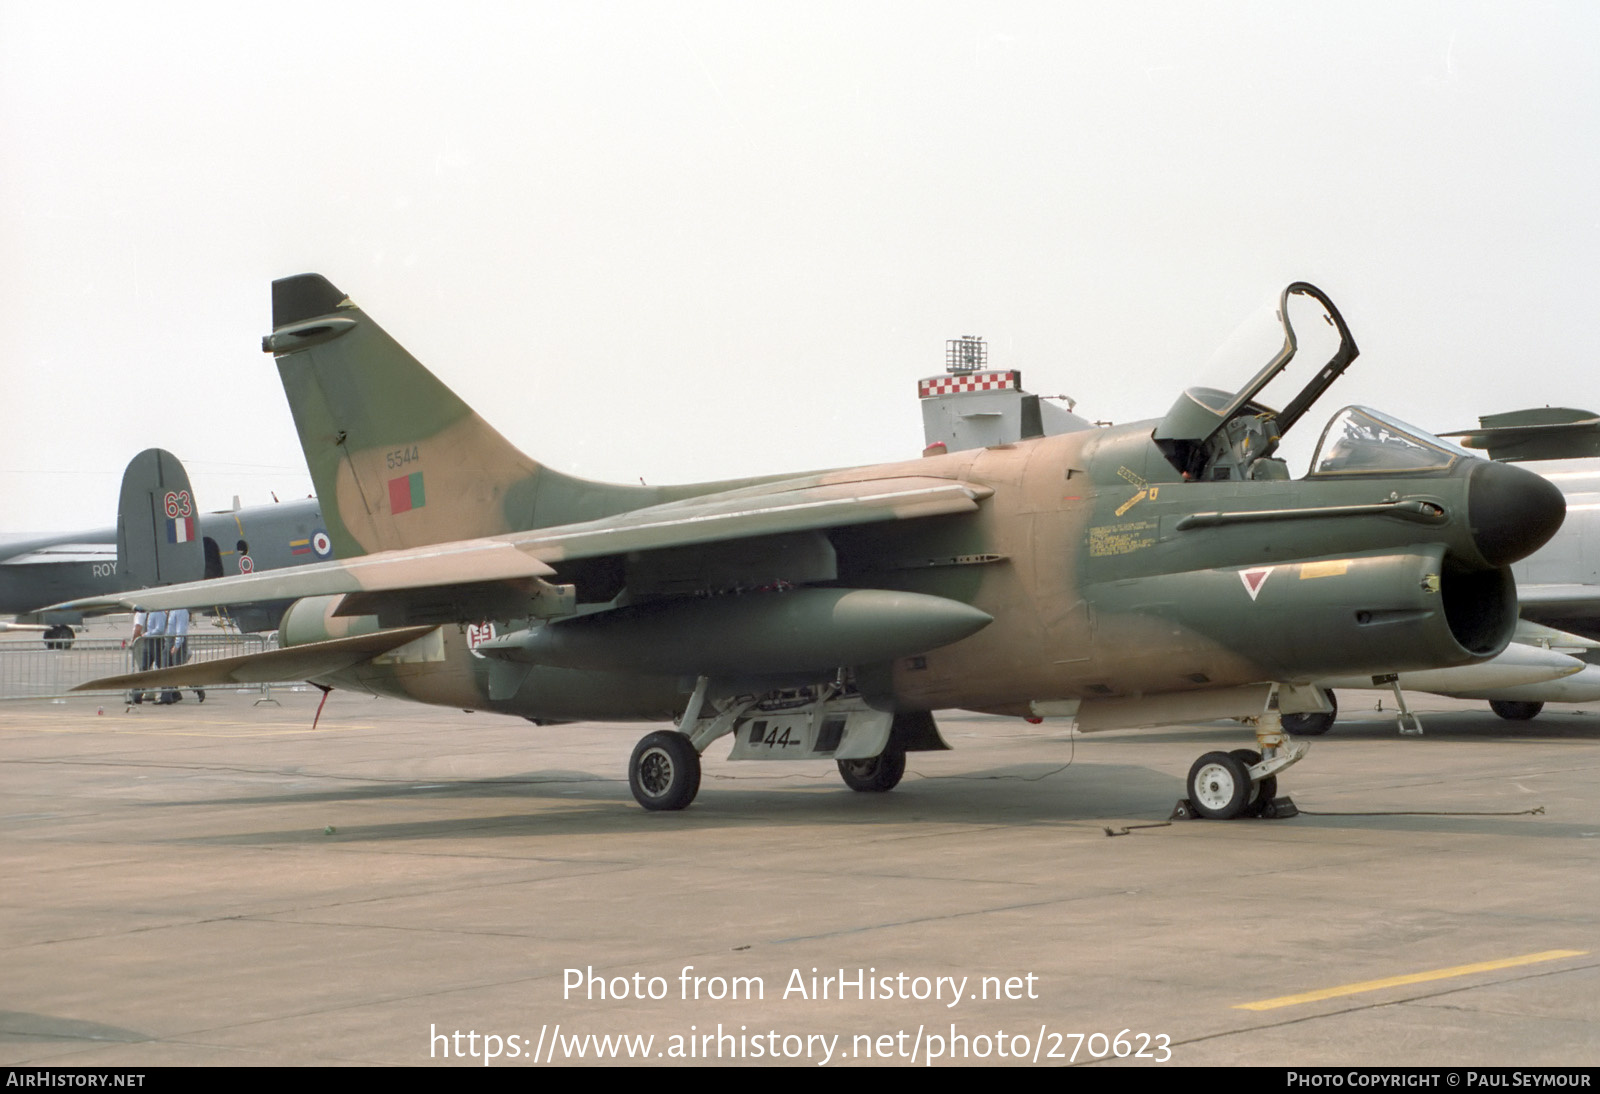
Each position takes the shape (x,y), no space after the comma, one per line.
(1558,585)
(161,537)
(1148,573)
(1554,656)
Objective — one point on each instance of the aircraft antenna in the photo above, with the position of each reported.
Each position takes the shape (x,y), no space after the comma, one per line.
(969,353)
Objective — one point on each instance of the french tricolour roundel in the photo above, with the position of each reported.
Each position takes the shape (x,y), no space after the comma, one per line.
(321,544)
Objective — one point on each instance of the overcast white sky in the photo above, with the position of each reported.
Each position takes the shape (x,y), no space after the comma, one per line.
(695,240)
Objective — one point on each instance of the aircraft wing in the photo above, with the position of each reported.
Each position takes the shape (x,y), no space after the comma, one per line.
(64,552)
(1570,607)
(760,511)
(527,557)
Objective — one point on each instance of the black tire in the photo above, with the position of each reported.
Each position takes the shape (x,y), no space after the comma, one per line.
(664,772)
(1219,786)
(59,637)
(1266,789)
(1515,711)
(874,776)
(1313,724)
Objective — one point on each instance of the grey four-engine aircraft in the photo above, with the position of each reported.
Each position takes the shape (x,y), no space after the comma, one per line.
(162,537)
(1150,573)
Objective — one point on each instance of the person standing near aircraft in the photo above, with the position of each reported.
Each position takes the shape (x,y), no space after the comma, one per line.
(177,652)
(149,629)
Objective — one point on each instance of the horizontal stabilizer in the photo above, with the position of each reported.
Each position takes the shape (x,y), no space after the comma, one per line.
(295,663)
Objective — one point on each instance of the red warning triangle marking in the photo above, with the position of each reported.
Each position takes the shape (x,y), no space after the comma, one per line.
(1255,578)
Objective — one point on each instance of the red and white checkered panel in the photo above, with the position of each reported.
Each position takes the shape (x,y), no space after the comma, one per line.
(955,384)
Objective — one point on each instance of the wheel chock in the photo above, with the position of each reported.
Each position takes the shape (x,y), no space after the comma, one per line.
(1281,808)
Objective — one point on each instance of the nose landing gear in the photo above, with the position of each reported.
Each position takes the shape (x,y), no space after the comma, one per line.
(1244,782)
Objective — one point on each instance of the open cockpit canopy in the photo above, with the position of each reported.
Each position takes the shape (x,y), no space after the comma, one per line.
(1212,435)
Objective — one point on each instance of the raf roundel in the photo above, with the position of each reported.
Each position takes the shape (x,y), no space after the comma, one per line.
(321,544)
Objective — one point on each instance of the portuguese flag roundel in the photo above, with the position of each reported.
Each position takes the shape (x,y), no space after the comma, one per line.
(405,493)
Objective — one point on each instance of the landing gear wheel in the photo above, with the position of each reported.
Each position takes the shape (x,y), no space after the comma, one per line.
(665,771)
(1219,786)
(1266,789)
(1515,711)
(1314,723)
(58,637)
(876,775)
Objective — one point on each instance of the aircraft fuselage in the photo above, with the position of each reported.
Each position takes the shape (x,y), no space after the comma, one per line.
(1107,575)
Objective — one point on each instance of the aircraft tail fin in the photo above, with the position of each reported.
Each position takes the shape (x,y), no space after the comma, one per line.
(158,523)
(398,459)
(1542,433)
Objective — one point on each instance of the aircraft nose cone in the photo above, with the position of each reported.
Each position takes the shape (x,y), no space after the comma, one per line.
(1512,512)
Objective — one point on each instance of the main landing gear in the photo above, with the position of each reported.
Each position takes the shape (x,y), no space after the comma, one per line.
(1244,782)
(825,721)
(1515,711)
(665,771)
(880,773)
(1313,723)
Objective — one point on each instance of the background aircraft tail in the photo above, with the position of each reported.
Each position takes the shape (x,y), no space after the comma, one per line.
(397,458)
(1541,433)
(158,523)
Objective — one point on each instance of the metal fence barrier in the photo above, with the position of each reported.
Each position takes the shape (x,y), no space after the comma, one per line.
(30,669)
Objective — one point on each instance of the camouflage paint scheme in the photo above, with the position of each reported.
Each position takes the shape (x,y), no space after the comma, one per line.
(1110,570)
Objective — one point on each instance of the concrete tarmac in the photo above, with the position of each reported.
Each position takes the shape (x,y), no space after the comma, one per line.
(220,884)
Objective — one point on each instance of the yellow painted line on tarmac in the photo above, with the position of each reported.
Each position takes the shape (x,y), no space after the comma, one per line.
(1409,978)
